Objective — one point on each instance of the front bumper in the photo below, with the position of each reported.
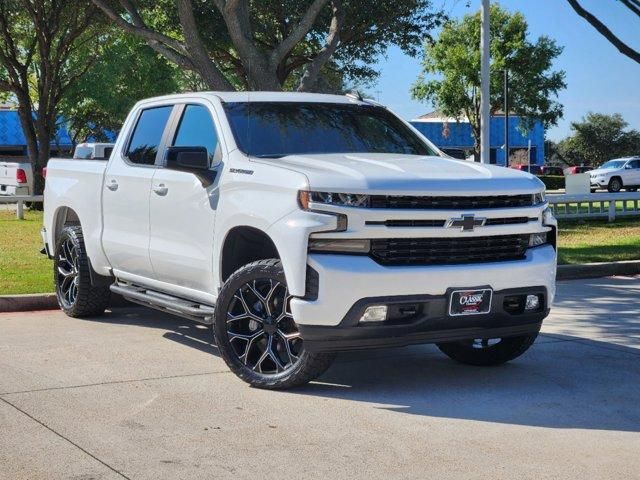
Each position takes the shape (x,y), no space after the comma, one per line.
(430,323)
(344,280)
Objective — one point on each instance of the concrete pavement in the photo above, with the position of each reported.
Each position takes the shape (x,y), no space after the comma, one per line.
(141,395)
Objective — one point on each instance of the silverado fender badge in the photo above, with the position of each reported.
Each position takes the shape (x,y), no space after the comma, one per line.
(240,170)
(466,223)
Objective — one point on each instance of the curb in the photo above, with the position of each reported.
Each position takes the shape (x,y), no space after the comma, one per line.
(595,270)
(47,301)
(25,303)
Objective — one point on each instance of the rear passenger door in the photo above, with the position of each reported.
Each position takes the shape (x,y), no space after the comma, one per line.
(126,190)
(183,206)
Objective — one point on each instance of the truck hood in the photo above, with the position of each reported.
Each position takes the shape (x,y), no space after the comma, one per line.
(394,174)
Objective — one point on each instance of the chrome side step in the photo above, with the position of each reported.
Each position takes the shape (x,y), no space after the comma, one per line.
(166,303)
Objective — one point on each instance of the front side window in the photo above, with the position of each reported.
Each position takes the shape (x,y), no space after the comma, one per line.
(634,164)
(196,129)
(147,135)
(277,129)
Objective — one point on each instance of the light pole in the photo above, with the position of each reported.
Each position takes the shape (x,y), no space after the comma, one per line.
(484,82)
(506,117)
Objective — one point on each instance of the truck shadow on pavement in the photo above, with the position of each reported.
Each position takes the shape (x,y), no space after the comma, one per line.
(562,382)
(566,380)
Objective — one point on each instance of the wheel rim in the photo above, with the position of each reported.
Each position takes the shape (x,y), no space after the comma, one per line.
(482,343)
(67,272)
(261,329)
(615,185)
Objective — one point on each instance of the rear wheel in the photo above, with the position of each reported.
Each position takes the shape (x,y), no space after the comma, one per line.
(488,351)
(76,296)
(615,185)
(256,333)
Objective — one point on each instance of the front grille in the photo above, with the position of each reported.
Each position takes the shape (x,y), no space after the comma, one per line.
(450,203)
(441,223)
(448,251)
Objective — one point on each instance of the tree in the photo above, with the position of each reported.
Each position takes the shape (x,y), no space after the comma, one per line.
(451,71)
(598,138)
(126,70)
(238,44)
(38,39)
(624,48)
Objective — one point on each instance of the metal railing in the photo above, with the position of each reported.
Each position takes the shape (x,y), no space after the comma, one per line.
(595,205)
(20,200)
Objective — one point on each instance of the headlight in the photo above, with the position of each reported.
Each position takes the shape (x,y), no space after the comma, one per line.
(339,245)
(537,239)
(538,198)
(338,199)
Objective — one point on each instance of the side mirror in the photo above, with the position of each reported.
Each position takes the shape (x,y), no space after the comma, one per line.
(187,158)
(628,166)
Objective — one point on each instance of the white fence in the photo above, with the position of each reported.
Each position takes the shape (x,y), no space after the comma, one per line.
(20,200)
(595,205)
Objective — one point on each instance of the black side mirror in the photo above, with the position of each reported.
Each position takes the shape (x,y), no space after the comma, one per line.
(187,158)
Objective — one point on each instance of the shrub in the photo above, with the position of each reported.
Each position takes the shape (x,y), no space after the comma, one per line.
(552,182)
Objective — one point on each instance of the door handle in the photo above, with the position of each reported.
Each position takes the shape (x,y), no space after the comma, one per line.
(161,189)
(113,185)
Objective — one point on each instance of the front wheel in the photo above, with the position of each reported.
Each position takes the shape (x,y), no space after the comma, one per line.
(615,185)
(256,333)
(486,352)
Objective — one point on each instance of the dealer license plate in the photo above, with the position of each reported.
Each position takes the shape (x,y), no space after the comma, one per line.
(470,302)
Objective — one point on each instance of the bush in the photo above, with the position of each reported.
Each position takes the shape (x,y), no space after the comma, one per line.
(552,182)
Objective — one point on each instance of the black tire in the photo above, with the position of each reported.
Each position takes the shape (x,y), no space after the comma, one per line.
(481,352)
(269,329)
(76,296)
(615,185)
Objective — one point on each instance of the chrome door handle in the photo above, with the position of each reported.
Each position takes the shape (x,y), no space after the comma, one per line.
(113,185)
(161,189)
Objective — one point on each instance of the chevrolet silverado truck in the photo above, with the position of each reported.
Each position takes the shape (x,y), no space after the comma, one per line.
(301,225)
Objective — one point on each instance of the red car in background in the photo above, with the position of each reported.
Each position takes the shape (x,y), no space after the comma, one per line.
(534,169)
(577,169)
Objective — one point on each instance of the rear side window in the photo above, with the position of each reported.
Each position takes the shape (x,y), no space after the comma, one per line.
(146,137)
(196,129)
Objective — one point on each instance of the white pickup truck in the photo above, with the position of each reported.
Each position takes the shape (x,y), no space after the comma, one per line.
(300,225)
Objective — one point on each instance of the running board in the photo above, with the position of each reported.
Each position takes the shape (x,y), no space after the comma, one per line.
(165,303)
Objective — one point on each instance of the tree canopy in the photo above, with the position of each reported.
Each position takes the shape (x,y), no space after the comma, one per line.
(451,70)
(597,138)
(275,44)
(38,62)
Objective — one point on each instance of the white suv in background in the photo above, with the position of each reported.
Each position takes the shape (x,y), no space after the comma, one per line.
(617,174)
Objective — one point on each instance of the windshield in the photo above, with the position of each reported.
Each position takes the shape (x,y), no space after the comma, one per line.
(277,129)
(613,164)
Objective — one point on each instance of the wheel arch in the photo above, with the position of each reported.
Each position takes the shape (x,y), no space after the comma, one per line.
(242,245)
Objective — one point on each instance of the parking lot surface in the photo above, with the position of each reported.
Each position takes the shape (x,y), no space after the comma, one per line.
(141,395)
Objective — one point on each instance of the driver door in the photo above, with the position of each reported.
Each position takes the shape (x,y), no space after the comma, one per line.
(183,206)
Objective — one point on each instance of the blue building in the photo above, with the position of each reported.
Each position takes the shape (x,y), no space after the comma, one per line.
(13,142)
(456,139)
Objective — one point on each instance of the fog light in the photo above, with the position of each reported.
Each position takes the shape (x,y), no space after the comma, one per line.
(532,303)
(537,239)
(375,313)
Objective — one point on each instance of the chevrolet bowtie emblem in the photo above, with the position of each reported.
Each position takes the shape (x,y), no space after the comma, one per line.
(466,223)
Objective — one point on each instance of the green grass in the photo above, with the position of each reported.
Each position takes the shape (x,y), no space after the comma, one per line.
(24,270)
(584,207)
(598,241)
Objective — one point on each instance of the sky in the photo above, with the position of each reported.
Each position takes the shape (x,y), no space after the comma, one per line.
(598,77)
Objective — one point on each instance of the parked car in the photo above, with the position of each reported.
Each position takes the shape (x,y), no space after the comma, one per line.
(16,178)
(93,151)
(549,170)
(617,174)
(577,169)
(532,169)
(300,225)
